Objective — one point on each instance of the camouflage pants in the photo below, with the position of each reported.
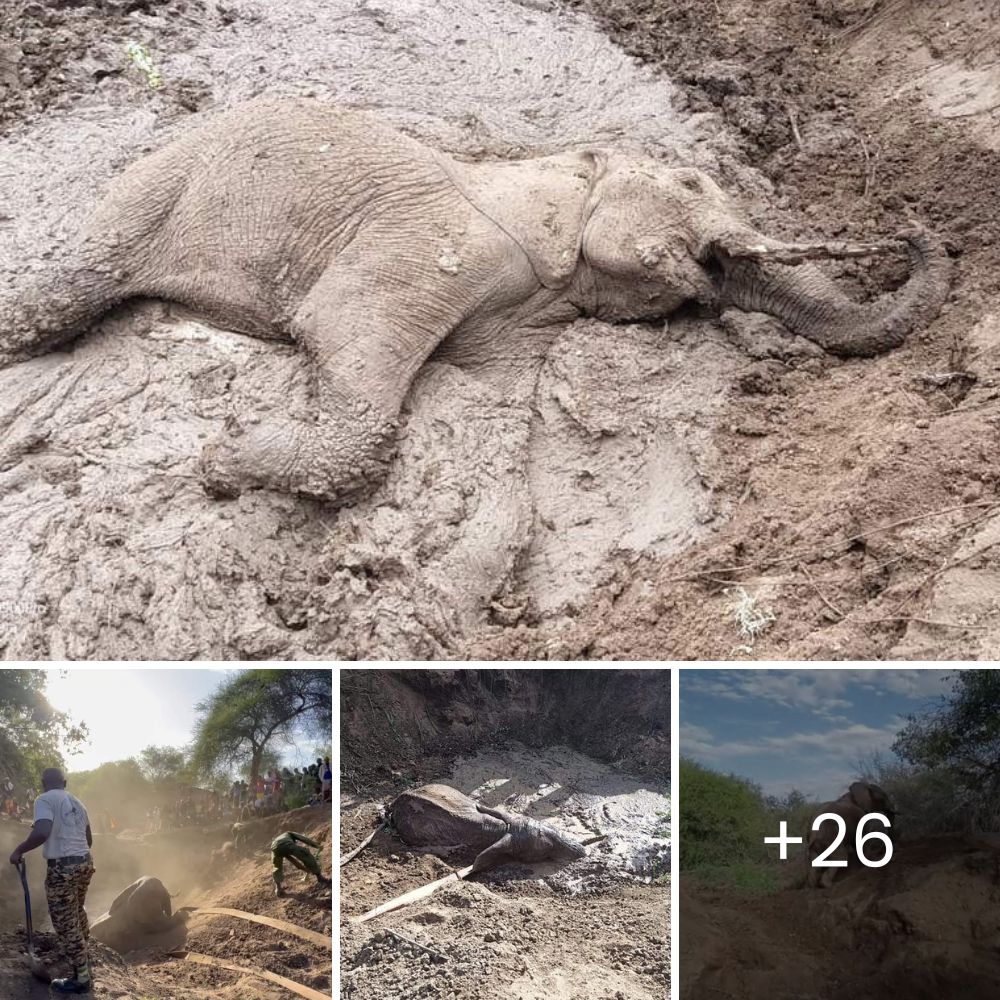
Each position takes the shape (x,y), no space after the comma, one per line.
(299,855)
(66,891)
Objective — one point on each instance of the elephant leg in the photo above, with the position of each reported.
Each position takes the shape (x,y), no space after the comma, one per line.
(58,306)
(363,359)
(495,854)
(367,325)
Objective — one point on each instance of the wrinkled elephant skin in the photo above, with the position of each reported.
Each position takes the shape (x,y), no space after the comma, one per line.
(441,816)
(299,221)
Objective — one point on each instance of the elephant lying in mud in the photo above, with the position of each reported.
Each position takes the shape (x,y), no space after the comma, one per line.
(137,912)
(859,800)
(295,220)
(441,816)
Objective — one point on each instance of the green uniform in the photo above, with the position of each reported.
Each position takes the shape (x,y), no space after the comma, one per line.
(291,846)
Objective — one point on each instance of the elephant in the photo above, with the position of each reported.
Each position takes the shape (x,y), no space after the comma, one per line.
(138,912)
(860,799)
(308,223)
(436,815)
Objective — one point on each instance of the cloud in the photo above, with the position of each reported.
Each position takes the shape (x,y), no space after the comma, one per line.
(820,692)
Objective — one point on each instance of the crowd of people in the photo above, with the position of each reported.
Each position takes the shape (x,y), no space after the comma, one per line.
(267,794)
(16,803)
(269,791)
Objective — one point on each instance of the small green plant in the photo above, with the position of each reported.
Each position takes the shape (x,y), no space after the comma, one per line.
(140,57)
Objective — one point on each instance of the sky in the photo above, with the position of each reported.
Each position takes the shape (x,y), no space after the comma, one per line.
(803,729)
(127,710)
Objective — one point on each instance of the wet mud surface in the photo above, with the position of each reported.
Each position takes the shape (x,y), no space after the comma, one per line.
(610,507)
(499,508)
(594,928)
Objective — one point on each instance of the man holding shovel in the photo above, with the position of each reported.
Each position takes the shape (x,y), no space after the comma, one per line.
(62,830)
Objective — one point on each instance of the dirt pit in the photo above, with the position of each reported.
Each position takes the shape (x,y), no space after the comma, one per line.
(604,494)
(924,927)
(180,858)
(593,929)
(516,492)
(587,929)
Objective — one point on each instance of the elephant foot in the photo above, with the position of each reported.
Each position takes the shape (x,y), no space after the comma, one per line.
(328,460)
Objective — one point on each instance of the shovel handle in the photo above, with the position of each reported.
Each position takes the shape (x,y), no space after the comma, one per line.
(22,871)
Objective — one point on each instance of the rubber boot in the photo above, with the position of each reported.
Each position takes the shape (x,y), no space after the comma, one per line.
(79,983)
(278,891)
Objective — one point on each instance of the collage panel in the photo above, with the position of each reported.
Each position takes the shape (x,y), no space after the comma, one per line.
(839,834)
(506,834)
(168,833)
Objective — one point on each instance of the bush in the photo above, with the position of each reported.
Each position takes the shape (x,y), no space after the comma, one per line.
(723,819)
(932,801)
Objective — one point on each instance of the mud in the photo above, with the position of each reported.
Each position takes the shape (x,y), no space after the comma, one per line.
(500,509)
(607,508)
(861,496)
(589,929)
(924,927)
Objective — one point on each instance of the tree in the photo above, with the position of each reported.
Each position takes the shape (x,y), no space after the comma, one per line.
(961,732)
(256,712)
(31,730)
(118,787)
(163,766)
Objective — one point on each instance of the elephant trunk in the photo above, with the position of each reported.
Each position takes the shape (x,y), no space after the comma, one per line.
(811,305)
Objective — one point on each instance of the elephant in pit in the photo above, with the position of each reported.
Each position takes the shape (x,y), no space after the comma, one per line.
(858,801)
(300,221)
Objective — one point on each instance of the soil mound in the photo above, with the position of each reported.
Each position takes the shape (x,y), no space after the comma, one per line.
(925,926)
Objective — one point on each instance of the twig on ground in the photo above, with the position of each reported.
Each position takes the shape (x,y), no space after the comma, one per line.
(435,955)
(351,855)
(833,607)
(796,135)
(920,621)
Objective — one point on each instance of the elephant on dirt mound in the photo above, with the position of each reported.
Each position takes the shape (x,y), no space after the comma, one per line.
(859,800)
(138,912)
(299,221)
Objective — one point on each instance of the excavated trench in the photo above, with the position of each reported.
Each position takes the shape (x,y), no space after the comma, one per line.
(512,497)
(581,929)
(237,943)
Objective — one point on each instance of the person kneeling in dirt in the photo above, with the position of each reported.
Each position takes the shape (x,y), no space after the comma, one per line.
(140,910)
(293,847)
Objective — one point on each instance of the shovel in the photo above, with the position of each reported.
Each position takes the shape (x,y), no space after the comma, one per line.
(38,969)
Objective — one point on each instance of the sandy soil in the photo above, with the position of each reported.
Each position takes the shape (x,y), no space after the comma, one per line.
(181,860)
(924,927)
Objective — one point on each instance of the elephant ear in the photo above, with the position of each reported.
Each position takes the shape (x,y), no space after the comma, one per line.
(861,795)
(542,205)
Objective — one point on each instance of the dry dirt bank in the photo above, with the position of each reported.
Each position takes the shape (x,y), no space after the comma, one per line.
(595,929)
(924,927)
(180,858)
(862,494)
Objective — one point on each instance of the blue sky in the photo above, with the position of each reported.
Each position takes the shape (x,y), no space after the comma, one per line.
(803,729)
(130,708)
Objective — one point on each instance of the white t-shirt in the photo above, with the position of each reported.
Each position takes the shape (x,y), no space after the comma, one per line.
(69,823)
